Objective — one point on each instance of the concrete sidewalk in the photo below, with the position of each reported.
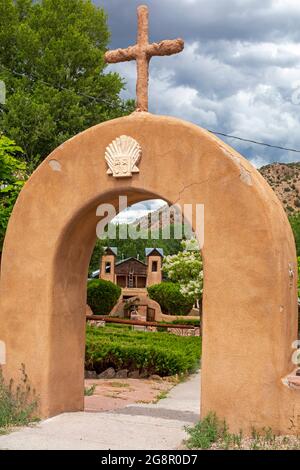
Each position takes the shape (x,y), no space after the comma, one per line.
(145,427)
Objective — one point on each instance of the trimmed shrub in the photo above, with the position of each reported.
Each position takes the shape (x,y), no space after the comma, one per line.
(102,296)
(170,298)
(148,352)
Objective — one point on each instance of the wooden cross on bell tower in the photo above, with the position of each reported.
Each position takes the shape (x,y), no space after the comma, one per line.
(142,53)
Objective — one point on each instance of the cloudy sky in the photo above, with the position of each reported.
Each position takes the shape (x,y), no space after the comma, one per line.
(239,73)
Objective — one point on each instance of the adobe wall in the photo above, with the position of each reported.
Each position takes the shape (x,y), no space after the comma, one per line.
(250,294)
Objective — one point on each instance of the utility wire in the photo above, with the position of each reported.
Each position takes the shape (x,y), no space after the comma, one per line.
(254,141)
(242,139)
(92,98)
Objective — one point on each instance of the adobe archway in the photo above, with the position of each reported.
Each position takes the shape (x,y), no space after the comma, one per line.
(249,255)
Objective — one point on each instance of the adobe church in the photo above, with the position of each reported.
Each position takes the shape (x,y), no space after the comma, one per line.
(132,273)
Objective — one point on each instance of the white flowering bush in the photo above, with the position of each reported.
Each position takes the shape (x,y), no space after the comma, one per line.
(186,269)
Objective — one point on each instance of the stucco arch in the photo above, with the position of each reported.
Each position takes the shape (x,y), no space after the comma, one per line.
(250,294)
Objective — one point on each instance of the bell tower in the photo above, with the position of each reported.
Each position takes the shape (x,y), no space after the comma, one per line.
(107,266)
(154,261)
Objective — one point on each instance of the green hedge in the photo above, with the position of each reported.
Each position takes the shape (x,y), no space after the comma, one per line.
(102,296)
(170,299)
(152,353)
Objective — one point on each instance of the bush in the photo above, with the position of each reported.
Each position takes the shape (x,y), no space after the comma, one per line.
(102,296)
(17,404)
(152,353)
(212,433)
(206,432)
(170,298)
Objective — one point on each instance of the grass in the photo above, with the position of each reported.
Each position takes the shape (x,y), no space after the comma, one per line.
(212,433)
(89,391)
(119,326)
(18,404)
(115,395)
(118,384)
(206,432)
(162,395)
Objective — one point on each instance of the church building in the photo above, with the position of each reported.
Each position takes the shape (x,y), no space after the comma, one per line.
(132,273)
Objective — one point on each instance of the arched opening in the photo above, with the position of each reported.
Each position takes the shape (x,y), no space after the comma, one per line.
(71,262)
(250,298)
(136,253)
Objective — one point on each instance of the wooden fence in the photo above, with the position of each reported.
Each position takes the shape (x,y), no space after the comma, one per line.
(107,319)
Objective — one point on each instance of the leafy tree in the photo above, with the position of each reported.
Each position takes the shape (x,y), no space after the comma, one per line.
(12,178)
(186,269)
(295,223)
(52,62)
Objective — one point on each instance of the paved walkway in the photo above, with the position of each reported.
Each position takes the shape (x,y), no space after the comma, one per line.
(134,427)
(111,394)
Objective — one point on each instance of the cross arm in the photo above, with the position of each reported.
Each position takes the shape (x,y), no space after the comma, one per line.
(120,55)
(167,47)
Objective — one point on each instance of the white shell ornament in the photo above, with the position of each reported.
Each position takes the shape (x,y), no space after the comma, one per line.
(122,156)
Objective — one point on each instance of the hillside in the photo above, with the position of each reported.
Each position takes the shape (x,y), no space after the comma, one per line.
(284,178)
(156,219)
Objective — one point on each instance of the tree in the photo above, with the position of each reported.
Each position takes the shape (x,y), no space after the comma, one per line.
(52,62)
(186,269)
(12,178)
(295,223)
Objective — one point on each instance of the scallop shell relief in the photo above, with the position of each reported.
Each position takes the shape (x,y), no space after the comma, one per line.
(122,156)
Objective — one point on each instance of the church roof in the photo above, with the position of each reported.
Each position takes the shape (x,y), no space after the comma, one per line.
(113,249)
(150,251)
(128,259)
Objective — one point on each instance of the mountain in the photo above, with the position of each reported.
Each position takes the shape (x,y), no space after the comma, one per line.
(156,219)
(284,178)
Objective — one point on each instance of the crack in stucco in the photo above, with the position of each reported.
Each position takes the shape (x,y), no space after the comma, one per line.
(245,175)
(185,187)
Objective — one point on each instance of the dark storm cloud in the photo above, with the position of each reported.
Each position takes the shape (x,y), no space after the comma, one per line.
(252,20)
(239,72)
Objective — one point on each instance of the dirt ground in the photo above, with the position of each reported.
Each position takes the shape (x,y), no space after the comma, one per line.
(111,394)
